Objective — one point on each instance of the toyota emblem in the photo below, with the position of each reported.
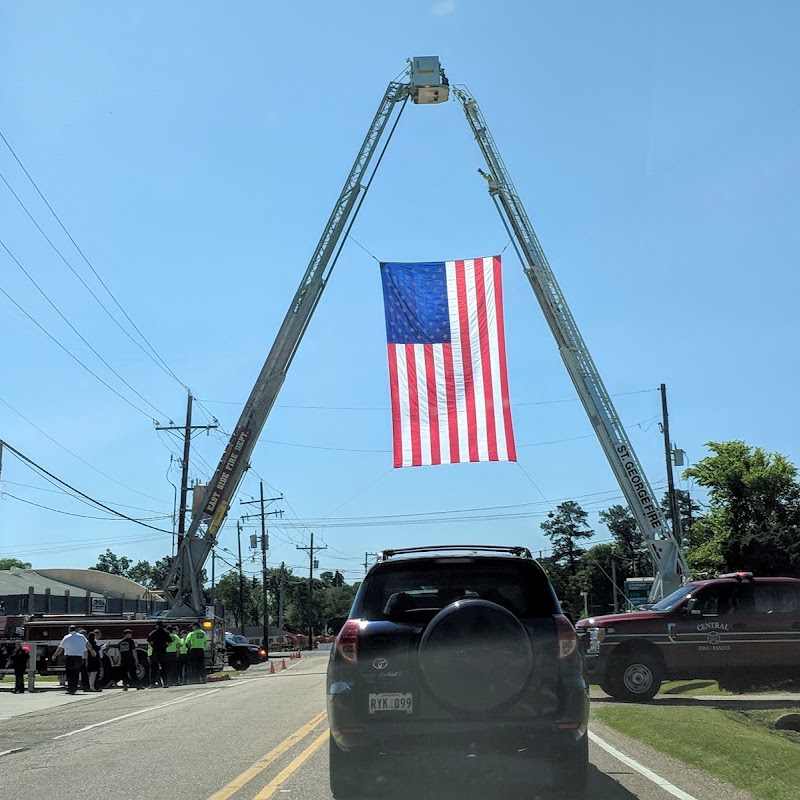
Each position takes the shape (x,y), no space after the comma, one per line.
(380,663)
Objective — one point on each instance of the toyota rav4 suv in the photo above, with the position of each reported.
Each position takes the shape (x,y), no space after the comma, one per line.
(463,652)
(736,629)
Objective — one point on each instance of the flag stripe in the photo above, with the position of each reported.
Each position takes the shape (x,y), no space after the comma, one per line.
(453,420)
(501,339)
(405,415)
(397,436)
(485,308)
(433,406)
(494,360)
(457,356)
(413,405)
(441,402)
(468,382)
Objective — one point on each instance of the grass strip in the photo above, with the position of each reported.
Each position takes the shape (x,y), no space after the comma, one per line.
(736,747)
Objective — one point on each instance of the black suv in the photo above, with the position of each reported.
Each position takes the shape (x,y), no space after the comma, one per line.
(459,650)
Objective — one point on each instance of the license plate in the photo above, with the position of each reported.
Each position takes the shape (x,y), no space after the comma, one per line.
(391,701)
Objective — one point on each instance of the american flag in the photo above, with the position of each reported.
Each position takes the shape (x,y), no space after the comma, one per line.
(447,362)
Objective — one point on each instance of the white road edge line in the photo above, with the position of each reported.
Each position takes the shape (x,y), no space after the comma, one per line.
(12,750)
(136,713)
(662,783)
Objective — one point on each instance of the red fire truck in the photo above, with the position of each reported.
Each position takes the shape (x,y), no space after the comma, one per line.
(43,632)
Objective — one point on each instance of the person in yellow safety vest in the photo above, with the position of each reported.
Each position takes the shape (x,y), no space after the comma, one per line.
(196,644)
(183,659)
(171,657)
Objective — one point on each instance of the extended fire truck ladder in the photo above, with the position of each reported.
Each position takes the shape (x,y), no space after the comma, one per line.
(668,559)
(427,84)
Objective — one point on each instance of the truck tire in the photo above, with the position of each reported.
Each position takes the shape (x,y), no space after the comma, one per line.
(635,676)
(238,662)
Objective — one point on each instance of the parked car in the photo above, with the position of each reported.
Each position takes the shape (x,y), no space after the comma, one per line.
(242,653)
(736,629)
(460,650)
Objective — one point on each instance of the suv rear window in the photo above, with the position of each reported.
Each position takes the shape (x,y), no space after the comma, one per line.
(406,591)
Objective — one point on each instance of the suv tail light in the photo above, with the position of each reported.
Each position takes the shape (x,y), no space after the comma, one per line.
(347,641)
(567,638)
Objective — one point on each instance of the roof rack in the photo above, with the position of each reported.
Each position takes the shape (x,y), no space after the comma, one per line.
(522,552)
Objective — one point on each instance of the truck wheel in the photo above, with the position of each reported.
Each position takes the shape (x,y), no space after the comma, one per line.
(239,662)
(635,677)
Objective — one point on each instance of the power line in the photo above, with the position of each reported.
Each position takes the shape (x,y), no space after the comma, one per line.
(83,282)
(72,513)
(75,330)
(73,356)
(88,263)
(67,494)
(74,455)
(111,510)
(386,408)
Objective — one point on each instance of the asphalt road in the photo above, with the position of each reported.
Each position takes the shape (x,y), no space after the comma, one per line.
(263,736)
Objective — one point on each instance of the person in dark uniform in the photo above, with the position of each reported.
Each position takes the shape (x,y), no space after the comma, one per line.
(19,661)
(93,662)
(160,639)
(128,661)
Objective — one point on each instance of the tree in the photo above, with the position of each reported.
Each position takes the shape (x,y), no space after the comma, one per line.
(7,563)
(142,572)
(689,512)
(594,577)
(754,511)
(633,558)
(112,563)
(565,528)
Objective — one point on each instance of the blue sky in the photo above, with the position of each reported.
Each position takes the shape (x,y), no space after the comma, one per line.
(194,152)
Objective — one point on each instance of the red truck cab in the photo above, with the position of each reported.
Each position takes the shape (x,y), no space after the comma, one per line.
(736,628)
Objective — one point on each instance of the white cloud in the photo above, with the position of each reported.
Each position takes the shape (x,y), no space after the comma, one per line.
(444,7)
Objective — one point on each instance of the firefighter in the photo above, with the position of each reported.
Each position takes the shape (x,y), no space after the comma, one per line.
(19,660)
(183,659)
(128,660)
(196,644)
(159,638)
(171,656)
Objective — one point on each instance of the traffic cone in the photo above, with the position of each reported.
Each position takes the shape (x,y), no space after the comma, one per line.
(283,663)
(271,667)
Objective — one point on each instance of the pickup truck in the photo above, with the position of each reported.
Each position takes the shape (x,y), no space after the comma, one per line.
(737,629)
(241,653)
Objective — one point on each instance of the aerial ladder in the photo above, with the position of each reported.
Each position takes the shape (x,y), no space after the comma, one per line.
(426,84)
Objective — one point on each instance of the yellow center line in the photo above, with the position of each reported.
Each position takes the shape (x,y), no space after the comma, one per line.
(298,762)
(230,789)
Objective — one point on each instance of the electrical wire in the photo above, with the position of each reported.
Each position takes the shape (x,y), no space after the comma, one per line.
(89,263)
(76,331)
(33,464)
(73,514)
(74,455)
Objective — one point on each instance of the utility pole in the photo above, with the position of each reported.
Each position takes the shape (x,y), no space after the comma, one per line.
(311,549)
(673,503)
(241,578)
(264,545)
(614,582)
(281,597)
(366,561)
(213,582)
(187,439)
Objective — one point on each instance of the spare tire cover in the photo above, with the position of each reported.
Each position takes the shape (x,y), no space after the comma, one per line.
(475,656)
